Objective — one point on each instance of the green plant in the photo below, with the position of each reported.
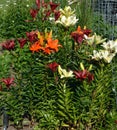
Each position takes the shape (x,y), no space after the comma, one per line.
(60,75)
(13,19)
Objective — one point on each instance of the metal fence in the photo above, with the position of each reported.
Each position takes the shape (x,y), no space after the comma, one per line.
(107,9)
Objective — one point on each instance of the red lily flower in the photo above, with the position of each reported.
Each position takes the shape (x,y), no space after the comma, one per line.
(78,35)
(44,4)
(38,4)
(47,12)
(81,74)
(9,45)
(56,14)
(53,66)
(8,81)
(53,6)
(22,42)
(87,31)
(90,77)
(32,36)
(33,13)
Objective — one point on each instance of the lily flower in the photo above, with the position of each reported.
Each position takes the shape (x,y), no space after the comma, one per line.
(56,15)
(81,74)
(67,11)
(97,55)
(107,56)
(8,45)
(32,36)
(103,54)
(53,66)
(53,44)
(110,46)
(67,21)
(33,13)
(38,3)
(90,77)
(47,50)
(95,39)
(65,74)
(35,47)
(8,81)
(79,34)
(67,17)
(53,6)
(22,42)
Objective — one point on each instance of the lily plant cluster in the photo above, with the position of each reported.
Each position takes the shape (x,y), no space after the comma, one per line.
(58,65)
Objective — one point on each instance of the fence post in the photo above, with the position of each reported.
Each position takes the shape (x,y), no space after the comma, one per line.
(5,120)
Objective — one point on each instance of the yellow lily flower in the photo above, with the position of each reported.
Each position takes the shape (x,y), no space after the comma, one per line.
(65,74)
(67,11)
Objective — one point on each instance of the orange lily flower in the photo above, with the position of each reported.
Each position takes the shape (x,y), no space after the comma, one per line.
(53,44)
(82,31)
(79,31)
(35,47)
(46,50)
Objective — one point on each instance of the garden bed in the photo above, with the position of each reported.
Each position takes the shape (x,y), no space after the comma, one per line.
(56,70)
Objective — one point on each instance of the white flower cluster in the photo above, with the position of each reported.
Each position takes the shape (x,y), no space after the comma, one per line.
(67,17)
(110,50)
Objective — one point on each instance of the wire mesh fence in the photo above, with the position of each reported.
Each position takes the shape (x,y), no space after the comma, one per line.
(107,12)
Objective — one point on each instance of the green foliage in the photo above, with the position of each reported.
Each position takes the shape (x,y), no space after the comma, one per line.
(40,94)
(104,28)
(84,12)
(13,23)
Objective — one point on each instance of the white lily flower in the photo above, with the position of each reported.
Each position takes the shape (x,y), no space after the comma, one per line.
(103,54)
(97,55)
(67,17)
(110,46)
(95,39)
(64,74)
(107,56)
(67,21)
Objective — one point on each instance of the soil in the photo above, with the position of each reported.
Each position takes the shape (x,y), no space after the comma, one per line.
(12,128)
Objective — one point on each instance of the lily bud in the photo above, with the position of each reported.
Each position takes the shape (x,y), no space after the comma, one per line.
(82,66)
